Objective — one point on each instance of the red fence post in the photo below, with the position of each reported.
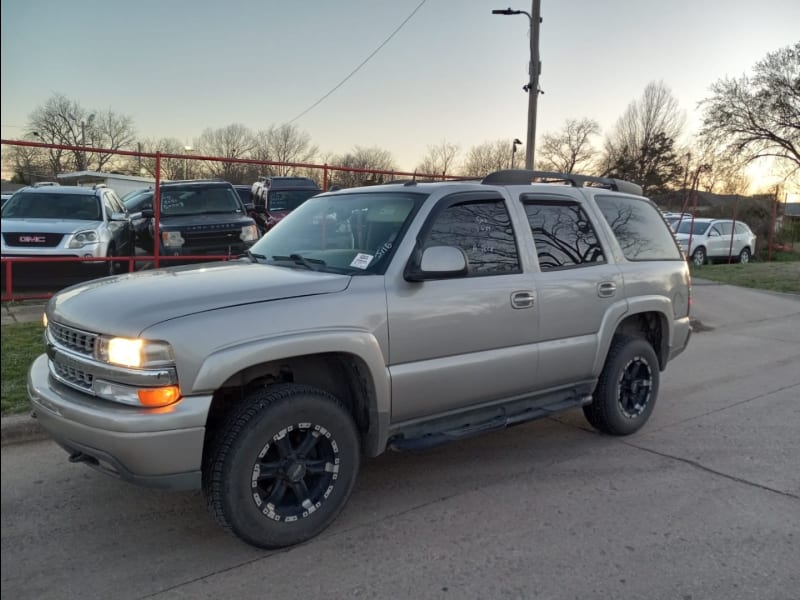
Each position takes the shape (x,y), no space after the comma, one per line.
(733,229)
(157,212)
(325,177)
(9,285)
(772,224)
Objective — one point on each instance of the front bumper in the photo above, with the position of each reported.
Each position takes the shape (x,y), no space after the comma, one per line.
(160,447)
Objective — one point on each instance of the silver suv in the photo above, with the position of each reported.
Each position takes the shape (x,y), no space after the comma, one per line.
(60,221)
(390,317)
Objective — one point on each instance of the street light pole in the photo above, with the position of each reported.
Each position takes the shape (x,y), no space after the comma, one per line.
(186,150)
(83,165)
(514,145)
(534,70)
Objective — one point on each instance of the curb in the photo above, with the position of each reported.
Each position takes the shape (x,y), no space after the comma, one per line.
(18,429)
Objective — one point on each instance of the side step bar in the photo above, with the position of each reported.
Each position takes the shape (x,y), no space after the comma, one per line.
(437,438)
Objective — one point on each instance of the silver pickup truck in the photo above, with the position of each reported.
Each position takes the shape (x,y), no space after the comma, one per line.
(389,317)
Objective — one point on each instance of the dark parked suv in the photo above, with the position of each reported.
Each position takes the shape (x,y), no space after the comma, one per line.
(198,217)
(282,195)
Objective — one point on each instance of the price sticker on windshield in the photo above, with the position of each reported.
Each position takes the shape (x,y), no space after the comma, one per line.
(361,261)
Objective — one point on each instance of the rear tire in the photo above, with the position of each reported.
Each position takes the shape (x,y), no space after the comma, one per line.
(744,256)
(284,466)
(628,387)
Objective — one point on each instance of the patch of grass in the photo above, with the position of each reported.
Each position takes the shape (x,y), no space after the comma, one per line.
(22,343)
(779,276)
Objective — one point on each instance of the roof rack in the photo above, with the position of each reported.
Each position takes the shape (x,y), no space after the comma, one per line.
(526,177)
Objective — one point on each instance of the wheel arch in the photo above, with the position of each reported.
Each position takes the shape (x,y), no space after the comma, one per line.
(349,367)
(647,318)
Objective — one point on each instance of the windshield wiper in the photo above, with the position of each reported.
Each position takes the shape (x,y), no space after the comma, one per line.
(255,257)
(312,264)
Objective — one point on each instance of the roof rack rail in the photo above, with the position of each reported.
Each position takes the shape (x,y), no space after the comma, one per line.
(526,177)
(98,186)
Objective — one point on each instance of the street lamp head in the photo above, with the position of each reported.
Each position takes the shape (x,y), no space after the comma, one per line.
(506,11)
(517,142)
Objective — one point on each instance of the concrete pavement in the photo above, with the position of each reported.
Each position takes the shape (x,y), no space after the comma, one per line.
(703,502)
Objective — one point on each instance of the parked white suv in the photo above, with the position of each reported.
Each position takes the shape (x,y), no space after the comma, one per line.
(67,221)
(716,239)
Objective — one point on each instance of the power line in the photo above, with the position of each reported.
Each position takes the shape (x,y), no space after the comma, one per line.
(365,61)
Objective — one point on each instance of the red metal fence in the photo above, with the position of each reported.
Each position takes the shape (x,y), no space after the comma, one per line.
(156,258)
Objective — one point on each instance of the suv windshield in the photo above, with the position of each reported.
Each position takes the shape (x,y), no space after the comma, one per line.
(285,200)
(34,205)
(199,200)
(686,227)
(343,233)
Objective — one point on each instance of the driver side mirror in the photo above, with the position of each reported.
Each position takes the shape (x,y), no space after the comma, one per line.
(437,262)
(148,213)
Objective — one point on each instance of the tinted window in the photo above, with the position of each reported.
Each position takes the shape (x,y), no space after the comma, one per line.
(639,229)
(563,234)
(286,200)
(139,201)
(35,205)
(483,231)
(198,200)
(699,228)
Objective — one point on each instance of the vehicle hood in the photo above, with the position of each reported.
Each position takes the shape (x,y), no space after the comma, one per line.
(205,222)
(63,226)
(126,305)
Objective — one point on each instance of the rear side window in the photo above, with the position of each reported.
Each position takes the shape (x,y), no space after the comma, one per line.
(639,229)
(742,228)
(563,234)
(482,229)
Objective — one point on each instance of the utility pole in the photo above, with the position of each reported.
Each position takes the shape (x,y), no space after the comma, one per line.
(533,89)
(534,70)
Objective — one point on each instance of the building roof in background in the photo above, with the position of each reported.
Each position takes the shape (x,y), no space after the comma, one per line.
(792,209)
(99,176)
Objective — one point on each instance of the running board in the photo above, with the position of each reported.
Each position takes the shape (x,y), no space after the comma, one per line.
(437,438)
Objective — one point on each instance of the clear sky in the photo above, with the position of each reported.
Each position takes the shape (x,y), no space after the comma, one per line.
(454,72)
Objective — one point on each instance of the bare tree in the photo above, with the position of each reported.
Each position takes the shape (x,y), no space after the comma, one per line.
(171,168)
(641,146)
(369,159)
(439,160)
(233,141)
(570,149)
(284,143)
(759,116)
(486,158)
(29,165)
(64,121)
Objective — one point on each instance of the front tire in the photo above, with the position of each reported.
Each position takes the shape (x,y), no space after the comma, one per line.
(285,466)
(627,389)
(699,257)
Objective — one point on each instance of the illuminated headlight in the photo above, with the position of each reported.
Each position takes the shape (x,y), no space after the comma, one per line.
(172,239)
(249,233)
(82,238)
(134,353)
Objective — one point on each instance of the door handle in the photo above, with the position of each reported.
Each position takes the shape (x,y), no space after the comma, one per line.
(523,299)
(606,289)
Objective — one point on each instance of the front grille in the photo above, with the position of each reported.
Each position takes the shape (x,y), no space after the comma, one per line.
(33,240)
(72,376)
(73,339)
(217,240)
